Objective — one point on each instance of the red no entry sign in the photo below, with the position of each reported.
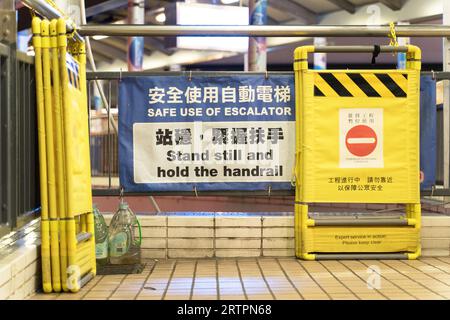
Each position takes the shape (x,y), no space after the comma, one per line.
(361,140)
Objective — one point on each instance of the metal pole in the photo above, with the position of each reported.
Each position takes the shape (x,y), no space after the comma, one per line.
(46,10)
(401,57)
(359,49)
(265,31)
(320,58)
(136,15)
(257,48)
(446,107)
(8,36)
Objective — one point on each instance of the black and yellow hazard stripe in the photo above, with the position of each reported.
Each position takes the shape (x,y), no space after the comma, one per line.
(361,85)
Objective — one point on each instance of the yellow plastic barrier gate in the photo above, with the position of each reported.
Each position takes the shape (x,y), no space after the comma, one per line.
(67,222)
(357,141)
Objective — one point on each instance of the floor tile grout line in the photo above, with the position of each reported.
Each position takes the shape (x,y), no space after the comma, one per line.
(214,236)
(289,279)
(339,280)
(392,282)
(240,278)
(90,290)
(362,279)
(313,279)
(413,280)
(167,237)
(261,243)
(265,280)
(115,290)
(427,274)
(193,279)
(169,280)
(146,279)
(448,272)
(441,260)
(217,280)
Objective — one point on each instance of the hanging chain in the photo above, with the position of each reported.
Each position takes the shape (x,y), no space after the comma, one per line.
(392,35)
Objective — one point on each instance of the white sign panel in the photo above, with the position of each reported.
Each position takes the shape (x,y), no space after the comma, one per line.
(216,151)
(361,138)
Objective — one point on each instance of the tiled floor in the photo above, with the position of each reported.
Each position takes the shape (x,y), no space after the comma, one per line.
(272,278)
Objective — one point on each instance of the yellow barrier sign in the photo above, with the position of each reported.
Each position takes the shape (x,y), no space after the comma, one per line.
(360,136)
(77,140)
(67,223)
(357,140)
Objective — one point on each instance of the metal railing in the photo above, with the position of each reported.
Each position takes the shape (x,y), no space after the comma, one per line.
(265,31)
(104,156)
(19,173)
(45,9)
(103,140)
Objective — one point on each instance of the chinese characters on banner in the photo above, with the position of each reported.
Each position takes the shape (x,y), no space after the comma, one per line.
(209,132)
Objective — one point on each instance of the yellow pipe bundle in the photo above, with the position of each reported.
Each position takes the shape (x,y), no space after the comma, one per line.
(68,254)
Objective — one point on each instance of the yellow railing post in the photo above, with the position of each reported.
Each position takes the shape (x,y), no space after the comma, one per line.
(45,225)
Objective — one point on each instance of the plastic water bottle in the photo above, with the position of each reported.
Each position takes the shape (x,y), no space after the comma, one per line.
(101,237)
(124,244)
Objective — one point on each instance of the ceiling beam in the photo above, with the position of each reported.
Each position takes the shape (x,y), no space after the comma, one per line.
(147,49)
(97,61)
(116,42)
(108,50)
(344,5)
(272,21)
(294,9)
(105,6)
(157,44)
(412,9)
(392,4)
(101,56)
(121,43)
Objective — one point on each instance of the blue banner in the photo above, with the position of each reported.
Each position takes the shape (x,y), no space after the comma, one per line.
(232,132)
(427,132)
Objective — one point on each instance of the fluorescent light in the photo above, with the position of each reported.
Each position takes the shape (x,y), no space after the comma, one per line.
(161,17)
(229,1)
(206,14)
(99,37)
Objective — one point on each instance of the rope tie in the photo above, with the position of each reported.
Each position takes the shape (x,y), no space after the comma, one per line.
(376,52)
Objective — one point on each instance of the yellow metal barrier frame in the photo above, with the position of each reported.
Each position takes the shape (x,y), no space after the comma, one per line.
(47,81)
(314,241)
(45,224)
(80,253)
(59,151)
(67,222)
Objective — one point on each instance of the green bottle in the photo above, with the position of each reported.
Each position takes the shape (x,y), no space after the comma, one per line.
(124,244)
(101,237)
